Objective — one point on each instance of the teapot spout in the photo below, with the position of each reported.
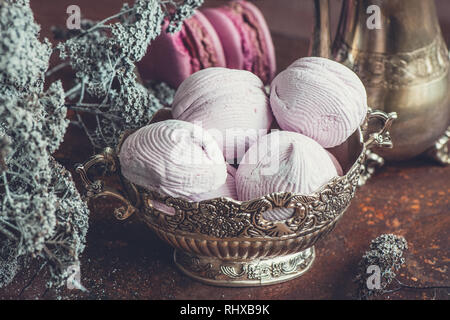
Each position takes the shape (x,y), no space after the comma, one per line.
(320,43)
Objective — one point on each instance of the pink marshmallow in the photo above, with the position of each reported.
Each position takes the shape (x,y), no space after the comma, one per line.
(319,98)
(283,161)
(228,189)
(336,163)
(175,158)
(232,105)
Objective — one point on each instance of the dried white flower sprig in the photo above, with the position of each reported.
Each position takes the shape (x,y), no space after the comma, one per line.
(386,253)
(21,50)
(41,213)
(103,56)
(178,11)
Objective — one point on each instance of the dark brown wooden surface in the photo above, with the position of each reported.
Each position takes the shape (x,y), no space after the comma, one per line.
(124,260)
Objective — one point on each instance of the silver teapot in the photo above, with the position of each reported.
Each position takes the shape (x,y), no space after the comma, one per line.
(402,60)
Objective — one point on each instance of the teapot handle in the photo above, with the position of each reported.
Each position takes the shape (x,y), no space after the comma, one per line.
(320,42)
(97,188)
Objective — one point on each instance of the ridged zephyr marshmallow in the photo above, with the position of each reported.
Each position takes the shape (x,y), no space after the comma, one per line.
(228,189)
(319,98)
(283,161)
(336,163)
(173,157)
(231,104)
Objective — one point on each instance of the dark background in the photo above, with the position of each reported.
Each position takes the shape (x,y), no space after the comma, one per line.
(124,260)
(289,20)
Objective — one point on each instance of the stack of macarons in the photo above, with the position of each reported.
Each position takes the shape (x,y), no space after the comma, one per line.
(235,36)
(220,115)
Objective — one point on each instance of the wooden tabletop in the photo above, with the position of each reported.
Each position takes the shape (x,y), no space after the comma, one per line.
(125,260)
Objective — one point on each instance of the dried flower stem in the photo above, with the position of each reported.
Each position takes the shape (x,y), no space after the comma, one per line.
(30,282)
(93,109)
(101,24)
(5,185)
(57,68)
(403,286)
(73,90)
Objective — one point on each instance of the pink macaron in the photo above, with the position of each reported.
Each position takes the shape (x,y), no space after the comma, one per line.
(235,36)
(245,38)
(174,57)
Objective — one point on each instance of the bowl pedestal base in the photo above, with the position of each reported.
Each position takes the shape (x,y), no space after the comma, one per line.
(244,273)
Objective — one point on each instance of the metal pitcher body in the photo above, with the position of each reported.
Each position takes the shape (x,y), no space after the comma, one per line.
(404,65)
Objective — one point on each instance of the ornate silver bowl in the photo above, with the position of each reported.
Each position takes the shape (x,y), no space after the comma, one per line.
(227,242)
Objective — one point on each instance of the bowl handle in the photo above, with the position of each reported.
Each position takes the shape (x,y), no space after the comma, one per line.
(97,188)
(382,137)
